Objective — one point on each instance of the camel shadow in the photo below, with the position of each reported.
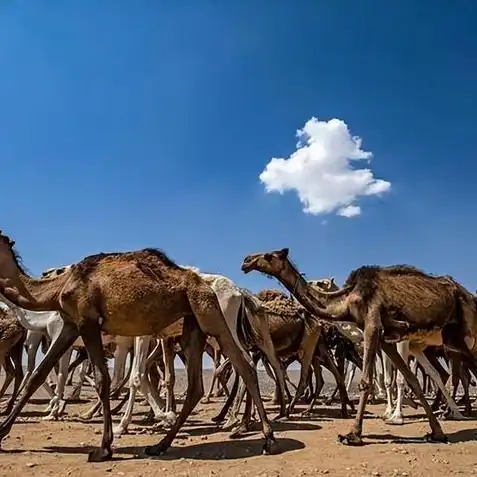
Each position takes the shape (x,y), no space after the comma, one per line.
(463,435)
(227,450)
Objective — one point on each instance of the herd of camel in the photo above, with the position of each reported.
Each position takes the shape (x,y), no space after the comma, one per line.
(143,305)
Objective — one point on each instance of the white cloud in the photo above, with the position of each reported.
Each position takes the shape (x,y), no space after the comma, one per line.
(321,172)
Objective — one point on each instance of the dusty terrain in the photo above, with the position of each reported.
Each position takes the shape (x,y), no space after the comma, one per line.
(309,446)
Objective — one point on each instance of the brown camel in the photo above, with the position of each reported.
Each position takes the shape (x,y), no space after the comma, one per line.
(389,304)
(135,293)
(294,333)
(12,337)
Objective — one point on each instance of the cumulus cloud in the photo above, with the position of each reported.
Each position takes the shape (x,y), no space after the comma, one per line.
(321,170)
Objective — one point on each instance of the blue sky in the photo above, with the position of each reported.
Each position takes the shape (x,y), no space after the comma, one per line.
(132,124)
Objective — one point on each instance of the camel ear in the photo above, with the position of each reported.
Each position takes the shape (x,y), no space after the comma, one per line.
(332,280)
(283,253)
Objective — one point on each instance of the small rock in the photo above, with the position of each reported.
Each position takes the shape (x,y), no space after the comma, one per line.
(31,464)
(376,474)
(121,473)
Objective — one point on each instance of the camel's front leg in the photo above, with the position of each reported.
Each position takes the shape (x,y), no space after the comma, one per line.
(371,342)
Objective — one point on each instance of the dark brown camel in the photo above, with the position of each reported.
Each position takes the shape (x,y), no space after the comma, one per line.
(389,304)
(12,337)
(130,294)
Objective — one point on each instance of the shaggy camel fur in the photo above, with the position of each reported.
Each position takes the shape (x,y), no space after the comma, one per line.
(390,304)
(12,336)
(294,333)
(134,293)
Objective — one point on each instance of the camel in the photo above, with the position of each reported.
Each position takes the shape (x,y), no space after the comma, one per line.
(12,336)
(294,334)
(135,293)
(389,304)
(405,348)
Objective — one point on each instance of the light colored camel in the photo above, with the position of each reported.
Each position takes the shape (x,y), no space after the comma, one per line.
(404,348)
(390,304)
(135,293)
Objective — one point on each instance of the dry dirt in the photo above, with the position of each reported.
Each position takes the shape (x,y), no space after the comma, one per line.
(309,446)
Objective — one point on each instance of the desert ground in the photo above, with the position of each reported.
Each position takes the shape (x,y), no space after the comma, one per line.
(309,446)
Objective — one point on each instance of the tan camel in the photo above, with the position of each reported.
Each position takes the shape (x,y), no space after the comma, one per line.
(12,337)
(390,304)
(134,293)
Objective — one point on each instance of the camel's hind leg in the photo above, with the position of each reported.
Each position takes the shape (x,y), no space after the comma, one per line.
(91,334)
(372,329)
(192,343)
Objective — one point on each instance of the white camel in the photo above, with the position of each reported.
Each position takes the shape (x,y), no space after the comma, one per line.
(393,415)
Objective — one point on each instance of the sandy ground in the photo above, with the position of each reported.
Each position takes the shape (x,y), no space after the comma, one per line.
(309,446)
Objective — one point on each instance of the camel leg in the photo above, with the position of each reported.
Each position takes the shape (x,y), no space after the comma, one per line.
(120,356)
(388,383)
(437,435)
(307,352)
(141,349)
(396,417)
(330,364)
(434,375)
(91,335)
(6,363)
(57,403)
(230,399)
(193,342)
(169,374)
(371,333)
(242,363)
(216,357)
(55,351)
(16,353)
(319,386)
(32,343)
(245,423)
(75,394)
(233,419)
(266,345)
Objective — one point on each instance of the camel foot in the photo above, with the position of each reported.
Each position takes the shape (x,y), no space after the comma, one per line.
(87,416)
(100,455)
(306,413)
(240,431)
(158,449)
(452,415)
(395,421)
(387,414)
(230,424)
(206,400)
(118,431)
(281,415)
(436,438)
(271,447)
(350,439)
(50,417)
(344,413)
(217,419)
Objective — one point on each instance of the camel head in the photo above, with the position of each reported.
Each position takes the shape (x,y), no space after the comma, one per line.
(54,272)
(9,259)
(325,284)
(271,263)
